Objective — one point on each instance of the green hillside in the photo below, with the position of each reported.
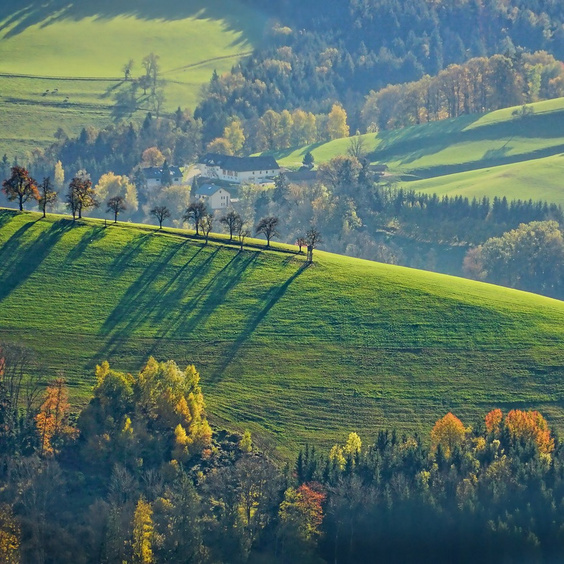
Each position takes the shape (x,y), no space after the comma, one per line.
(498,154)
(296,354)
(80,47)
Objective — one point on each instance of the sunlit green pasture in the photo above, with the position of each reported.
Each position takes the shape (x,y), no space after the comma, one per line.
(41,44)
(294,353)
(499,154)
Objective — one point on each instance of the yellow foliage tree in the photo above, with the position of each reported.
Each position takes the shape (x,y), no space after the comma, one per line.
(448,432)
(353,445)
(235,134)
(9,536)
(220,145)
(143,533)
(152,157)
(51,421)
(337,123)
(59,175)
(112,185)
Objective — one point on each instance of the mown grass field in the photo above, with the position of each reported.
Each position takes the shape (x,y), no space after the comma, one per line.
(497,154)
(295,354)
(57,45)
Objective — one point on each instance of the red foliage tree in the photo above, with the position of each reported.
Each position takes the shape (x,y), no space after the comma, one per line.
(20,186)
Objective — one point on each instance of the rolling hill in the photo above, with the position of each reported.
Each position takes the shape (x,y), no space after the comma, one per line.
(502,153)
(60,62)
(293,353)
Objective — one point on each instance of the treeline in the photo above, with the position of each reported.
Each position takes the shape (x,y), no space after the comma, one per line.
(325,53)
(361,215)
(357,211)
(120,148)
(480,85)
(490,493)
(530,257)
(139,476)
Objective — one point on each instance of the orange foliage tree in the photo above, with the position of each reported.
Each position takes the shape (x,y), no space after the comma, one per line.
(52,419)
(448,432)
(493,420)
(301,512)
(530,425)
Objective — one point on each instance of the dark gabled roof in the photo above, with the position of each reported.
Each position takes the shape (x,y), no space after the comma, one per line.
(208,189)
(240,164)
(156,172)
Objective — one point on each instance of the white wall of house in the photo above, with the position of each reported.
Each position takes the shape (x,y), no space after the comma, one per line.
(156,183)
(235,177)
(219,200)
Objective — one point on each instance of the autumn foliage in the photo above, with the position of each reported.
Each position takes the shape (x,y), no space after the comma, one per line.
(52,419)
(302,510)
(530,425)
(493,420)
(448,432)
(160,409)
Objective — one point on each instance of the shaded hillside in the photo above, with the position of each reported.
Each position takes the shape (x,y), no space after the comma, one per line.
(293,353)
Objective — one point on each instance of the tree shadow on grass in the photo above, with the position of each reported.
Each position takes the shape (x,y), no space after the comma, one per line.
(6,216)
(19,260)
(272,298)
(194,313)
(16,17)
(132,306)
(124,259)
(93,234)
(143,300)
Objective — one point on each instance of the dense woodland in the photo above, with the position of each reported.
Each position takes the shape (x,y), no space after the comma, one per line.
(322,53)
(139,476)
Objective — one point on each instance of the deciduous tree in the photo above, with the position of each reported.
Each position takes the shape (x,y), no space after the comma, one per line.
(47,196)
(143,533)
(52,419)
(81,196)
(20,186)
(116,205)
(337,123)
(312,239)
(231,220)
(194,213)
(267,226)
(160,213)
(207,223)
(113,185)
(448,432)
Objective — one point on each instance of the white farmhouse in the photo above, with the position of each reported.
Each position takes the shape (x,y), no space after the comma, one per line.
(154,176)
(215,197)
(239,170)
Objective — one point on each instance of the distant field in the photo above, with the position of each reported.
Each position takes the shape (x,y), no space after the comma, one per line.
(295,354)
(93,40)
(469,155)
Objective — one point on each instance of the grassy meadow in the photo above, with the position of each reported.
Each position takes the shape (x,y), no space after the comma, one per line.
(80,47)
(497,154)
(293,353)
